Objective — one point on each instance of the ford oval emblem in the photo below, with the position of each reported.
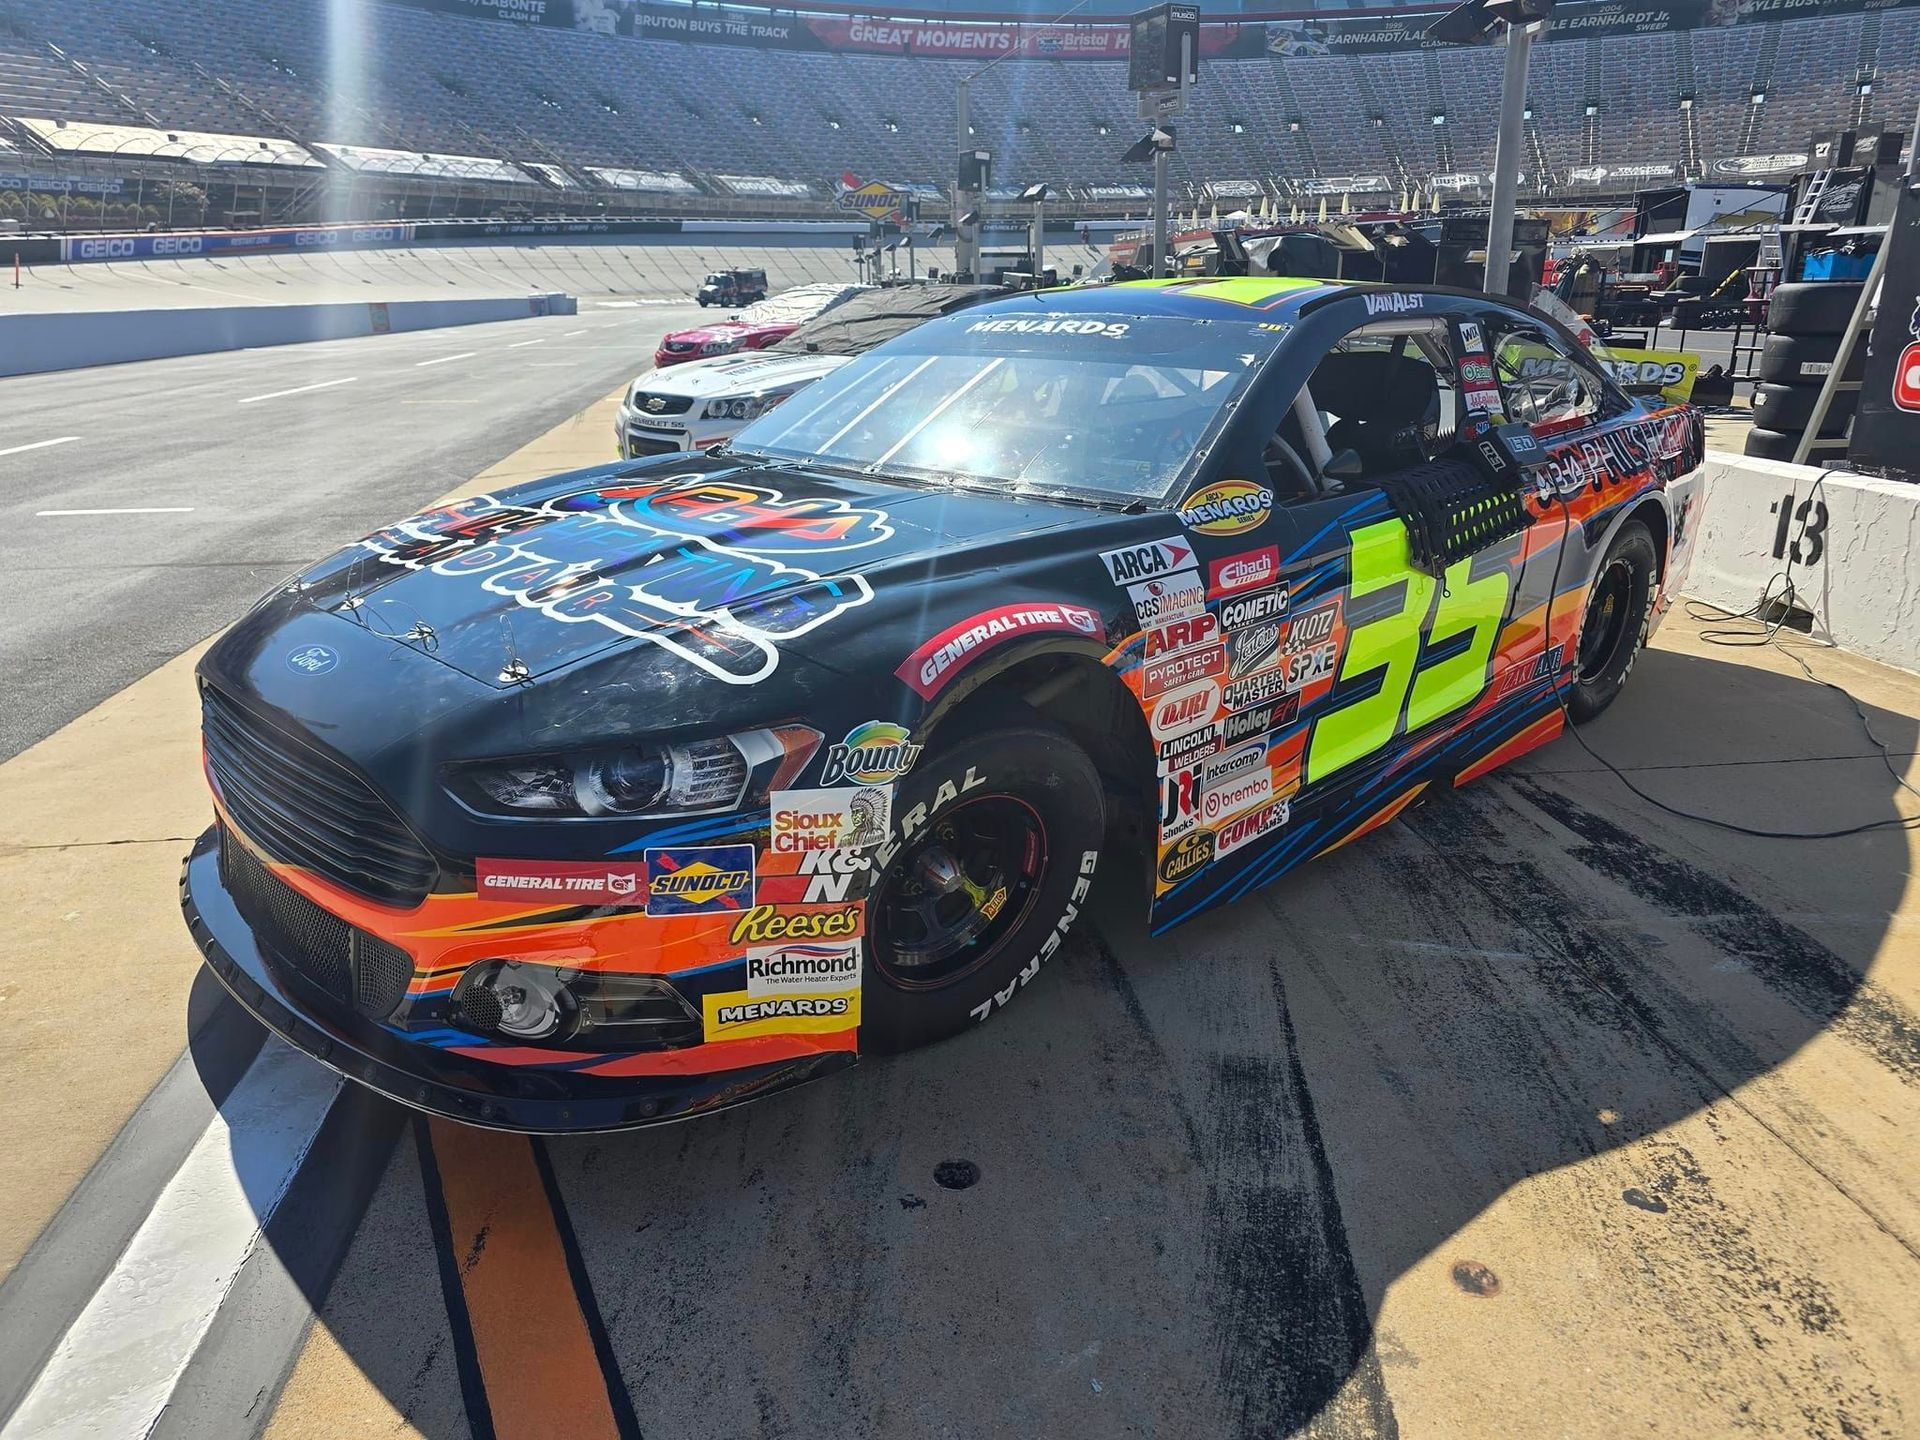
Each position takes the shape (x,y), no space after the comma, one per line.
(313,659)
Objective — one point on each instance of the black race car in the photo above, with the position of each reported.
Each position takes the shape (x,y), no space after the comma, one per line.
(636,792)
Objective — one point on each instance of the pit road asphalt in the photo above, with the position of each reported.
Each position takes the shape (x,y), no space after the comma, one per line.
(244,484)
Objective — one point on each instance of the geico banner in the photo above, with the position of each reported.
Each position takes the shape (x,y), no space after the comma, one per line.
(61,184)
(80,248)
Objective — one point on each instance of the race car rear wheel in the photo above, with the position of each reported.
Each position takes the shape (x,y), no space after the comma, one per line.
(1615,622)
(997,839)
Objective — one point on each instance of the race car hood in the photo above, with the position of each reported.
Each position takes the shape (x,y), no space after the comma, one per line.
(706,573)
(735,331)
(727,376)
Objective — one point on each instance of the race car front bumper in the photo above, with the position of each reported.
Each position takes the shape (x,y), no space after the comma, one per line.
(541,1100)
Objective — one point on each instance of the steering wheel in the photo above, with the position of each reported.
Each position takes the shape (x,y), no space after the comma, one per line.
(1279,455)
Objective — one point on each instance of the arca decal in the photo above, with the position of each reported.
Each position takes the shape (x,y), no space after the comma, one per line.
(928,669)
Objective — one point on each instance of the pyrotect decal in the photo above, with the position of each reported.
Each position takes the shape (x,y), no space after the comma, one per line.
(842,819)
(1226,507)
(928,669)
(1133,563)
(699,880)
(805,968)
(872,754)
(575,882)
(1246,571)
(1170,672)
(1179,596)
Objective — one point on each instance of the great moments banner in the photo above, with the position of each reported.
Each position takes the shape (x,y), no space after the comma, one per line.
(1352,33)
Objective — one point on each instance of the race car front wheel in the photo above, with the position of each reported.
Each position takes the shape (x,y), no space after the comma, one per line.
(995,841)
(1615,622)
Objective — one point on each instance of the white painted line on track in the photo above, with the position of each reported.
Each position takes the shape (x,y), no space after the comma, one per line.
(443,359)
(123,509)
(39,445)
(522,344)
(571,333)
(299,389)
(117,1366)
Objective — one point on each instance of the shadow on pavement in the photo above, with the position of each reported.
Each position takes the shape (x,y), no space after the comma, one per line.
(1168,1192)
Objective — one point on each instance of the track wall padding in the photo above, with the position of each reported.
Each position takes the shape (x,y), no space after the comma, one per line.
(1850,545)
(33,344)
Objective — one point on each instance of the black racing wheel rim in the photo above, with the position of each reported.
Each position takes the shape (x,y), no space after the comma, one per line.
(1608,624)
(956,891)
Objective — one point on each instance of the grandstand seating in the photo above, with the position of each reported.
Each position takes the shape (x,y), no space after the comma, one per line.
(366,73)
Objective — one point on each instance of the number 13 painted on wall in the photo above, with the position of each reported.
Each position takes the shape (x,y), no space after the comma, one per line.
(1461,616)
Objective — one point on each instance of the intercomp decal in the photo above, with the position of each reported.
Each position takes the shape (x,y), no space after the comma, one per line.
(683,562)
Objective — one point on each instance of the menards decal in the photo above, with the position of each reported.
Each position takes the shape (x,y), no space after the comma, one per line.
(737,1015)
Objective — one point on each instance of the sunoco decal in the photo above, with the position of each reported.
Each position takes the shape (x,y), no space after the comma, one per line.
(699,880)
(872,754)
(928,669)
(1226,507)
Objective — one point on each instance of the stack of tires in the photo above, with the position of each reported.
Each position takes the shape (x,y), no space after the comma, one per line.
(1806,323)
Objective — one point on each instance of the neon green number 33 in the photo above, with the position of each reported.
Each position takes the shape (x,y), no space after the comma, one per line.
(1410,694)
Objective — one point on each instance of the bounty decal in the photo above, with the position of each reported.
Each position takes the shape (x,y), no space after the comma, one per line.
(928,669)
(1245,829)
(809,969)
(573,882)
(813,877)
(736,1015)
(872,754)
(842,819)
(1082,883)
(1183,709)
(690,880)
(1173,671)
(1178,596)
(1132,563)
(1226,507)
(717,607)
(1247,571)
(1254,609)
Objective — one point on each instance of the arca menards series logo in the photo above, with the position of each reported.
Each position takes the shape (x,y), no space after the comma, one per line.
(685,562)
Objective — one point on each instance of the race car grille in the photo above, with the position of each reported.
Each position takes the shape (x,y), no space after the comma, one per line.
(350,966)
(663,404)
(676,347)
(640,443)
(302,807)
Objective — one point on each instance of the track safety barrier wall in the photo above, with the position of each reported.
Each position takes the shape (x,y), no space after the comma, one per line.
(34,344)
(1849,544)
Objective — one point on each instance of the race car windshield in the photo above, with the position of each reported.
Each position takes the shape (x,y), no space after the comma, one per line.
(1107,407)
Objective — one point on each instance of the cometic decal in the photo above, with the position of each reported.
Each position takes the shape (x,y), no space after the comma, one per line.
(1245,829)
(573,882)
(928,669)
(1254,609)
(1226,507)
(699,880)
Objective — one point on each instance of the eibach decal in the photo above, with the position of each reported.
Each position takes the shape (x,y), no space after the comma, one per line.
(928,669)
(1246,571)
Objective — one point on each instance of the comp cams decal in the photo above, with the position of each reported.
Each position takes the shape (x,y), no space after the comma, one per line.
(928,669)
(1226,507)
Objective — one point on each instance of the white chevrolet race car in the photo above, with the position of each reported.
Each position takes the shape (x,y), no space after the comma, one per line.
(693,407)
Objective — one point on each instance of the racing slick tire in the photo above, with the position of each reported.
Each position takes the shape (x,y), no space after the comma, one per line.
(1615,623)
(998,838)
(1790,407)
(1806,359)
(1813,307)
(1771,444)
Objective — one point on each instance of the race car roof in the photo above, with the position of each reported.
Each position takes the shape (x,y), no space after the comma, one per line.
(863,321)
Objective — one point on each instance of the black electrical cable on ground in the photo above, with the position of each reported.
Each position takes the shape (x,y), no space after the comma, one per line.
(1736,638)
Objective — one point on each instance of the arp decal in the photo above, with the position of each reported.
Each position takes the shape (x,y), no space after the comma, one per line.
(1182,668)
(1181,635)
(928,669)
(1226,507)
(571,882)
(1183,709)
(737,1015)
(839,819)
(699,880)
(1246,571)
(1173,597)
(872,754)
(1133,563)
(805,968)
(1255,609)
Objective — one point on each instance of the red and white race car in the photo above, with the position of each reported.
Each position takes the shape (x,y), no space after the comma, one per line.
(754,328)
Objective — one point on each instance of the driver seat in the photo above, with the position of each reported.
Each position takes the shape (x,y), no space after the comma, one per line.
(1387,406)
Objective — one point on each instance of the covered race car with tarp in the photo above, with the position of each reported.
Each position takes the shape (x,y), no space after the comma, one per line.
(639,791)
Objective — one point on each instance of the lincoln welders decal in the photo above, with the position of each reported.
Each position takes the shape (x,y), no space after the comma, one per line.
(716,606)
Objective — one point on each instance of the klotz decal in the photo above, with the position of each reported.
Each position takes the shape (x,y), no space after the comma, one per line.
(739,1016)
(1133,563)
(928,669)
(1226,507)
(1247,571)
(1179,596)
(699,880)
(872,754)
(839,819)
(1083,882)
(571,882)
(803,968)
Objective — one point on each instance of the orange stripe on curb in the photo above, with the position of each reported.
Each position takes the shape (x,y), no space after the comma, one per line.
(532,1342)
